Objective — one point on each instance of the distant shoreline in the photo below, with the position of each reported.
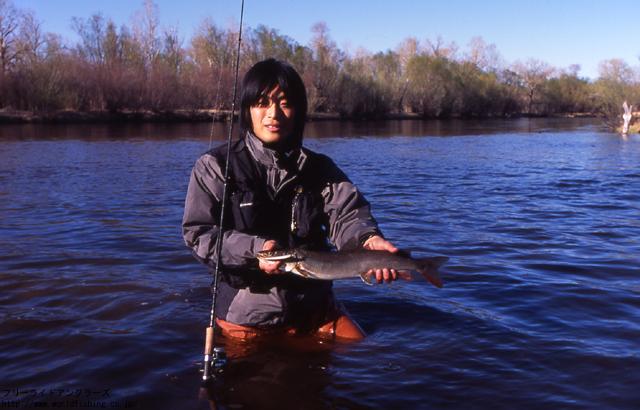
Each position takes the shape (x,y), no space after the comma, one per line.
(176,116)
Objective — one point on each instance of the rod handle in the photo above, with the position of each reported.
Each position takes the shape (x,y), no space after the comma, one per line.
(208,351)
(208,341)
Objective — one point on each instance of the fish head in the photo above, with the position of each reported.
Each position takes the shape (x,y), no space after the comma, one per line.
(290,259)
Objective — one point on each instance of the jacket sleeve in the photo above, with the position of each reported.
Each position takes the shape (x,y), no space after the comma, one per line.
(350,219)
(201,220)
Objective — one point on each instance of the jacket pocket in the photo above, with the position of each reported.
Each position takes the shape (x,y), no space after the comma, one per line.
(244,207)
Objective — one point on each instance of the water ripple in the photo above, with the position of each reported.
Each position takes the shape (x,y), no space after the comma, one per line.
(540,309)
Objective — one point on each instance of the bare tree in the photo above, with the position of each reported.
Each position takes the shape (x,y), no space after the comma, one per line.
(326,65)
(533,74)
(164,90)
(439,48)
(92,37)
(573,70)
(617,70)
(484,56)
(31,39)
(212,51)
(145,66)
(407,49)
(9,24)
(145,30)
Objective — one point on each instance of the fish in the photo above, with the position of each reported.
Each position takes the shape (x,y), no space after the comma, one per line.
(349,264)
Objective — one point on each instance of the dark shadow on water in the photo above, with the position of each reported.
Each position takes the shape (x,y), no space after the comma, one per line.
(280,373)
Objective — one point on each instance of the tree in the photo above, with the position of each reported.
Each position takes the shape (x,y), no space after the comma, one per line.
(9,24)
(165,91)
(145,66)
(429,92)
(37,78)
(438,48)
(324,69)
(568,93)
(533,74)
(212,51)
(145,31)
(360,90)
(92,37)
(405,51)
(31,40)
(268,43)
(478,93)
(484,56)
(618,82)
(388,75)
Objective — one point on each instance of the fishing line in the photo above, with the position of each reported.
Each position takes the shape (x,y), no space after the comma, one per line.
(216,102)
(217,357)
(215,107)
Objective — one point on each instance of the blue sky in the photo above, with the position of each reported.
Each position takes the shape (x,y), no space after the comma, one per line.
(560,32)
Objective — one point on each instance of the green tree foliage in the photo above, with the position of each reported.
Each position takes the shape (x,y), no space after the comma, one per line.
(148,67)
(618,82)
(388,74)
(430,85)
(479,93)
(568,93)
(358,91)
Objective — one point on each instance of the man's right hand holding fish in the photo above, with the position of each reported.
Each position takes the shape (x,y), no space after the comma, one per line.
(378,243)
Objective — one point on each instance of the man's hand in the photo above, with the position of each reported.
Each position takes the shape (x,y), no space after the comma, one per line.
(378,243)
(270,267)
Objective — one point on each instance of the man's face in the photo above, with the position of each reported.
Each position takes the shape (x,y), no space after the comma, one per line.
(272,117)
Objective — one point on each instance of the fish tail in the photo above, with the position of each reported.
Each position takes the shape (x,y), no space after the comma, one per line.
(429,269)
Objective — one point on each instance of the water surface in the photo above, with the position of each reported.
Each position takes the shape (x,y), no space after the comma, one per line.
(100,299)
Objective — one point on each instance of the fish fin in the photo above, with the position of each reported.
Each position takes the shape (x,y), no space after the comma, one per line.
(429,269)
(404,275)
(403,252)
(366,279)
(299,270)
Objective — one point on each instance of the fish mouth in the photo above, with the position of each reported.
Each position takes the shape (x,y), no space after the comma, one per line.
(277,256)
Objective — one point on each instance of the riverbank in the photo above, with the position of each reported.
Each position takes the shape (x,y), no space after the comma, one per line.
(633,129)
(202,115)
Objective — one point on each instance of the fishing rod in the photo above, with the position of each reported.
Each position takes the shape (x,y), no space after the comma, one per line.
(215,356)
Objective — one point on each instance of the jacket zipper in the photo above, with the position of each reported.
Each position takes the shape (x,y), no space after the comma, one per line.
(294,208)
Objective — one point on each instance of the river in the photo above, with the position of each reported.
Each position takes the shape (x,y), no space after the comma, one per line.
(101,303)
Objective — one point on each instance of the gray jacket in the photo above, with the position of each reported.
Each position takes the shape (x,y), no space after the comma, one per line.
(350,219)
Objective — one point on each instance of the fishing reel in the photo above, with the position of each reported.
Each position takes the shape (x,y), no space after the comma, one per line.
(214,364)
(219,359)
(211,388)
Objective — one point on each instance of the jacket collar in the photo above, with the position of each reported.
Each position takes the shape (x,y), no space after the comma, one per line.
(271,158)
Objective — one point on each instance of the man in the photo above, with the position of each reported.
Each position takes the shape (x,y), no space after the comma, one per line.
(281,195)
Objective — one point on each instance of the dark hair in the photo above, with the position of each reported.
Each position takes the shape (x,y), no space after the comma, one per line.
(263,77)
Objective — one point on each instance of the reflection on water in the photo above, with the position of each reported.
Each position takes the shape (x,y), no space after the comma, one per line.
(315,129)
(540,308)
(267,374)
